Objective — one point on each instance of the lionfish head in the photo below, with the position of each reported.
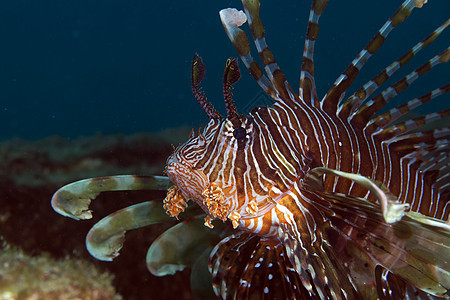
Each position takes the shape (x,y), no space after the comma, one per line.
(198,167)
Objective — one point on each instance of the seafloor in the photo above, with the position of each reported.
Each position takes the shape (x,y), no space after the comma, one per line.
(31,171)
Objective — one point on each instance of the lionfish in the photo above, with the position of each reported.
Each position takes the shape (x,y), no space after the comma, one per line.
(328,198)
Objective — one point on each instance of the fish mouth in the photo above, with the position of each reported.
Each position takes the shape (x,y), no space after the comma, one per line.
(191,182)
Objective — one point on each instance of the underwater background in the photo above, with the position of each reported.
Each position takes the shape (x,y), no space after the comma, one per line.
(80,67)
(96,88)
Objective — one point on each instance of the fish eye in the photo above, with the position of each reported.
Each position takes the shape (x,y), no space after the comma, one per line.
(239,133)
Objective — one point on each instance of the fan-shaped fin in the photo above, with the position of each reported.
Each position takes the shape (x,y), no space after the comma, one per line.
(246,266)
(73,200)
(415,247)
(392,211)
(417,251)
(106,237)
(319,267)
(180,246)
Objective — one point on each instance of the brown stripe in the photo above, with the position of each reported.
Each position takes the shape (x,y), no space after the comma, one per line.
(264,167)
(428,40)
(256,25)
(284,149)
(278,82)
(400,85)
(407,57)
(319,6)
(313,31)
(400,15)
(424,68)
(334,94)
(307,87)
(241,43)
(267,56)
(308,65)
(381,78)
(375,43)
(445,56)
(361,93)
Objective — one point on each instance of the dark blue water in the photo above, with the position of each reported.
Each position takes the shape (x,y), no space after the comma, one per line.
(79,67)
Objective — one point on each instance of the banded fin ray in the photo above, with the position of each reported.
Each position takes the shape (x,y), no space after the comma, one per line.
(393,115)
(232,19)
(416,124)
(317,265)
(275,83)
(352,103)
(412,249)
(371,107)
(416,248)
(245,265)
(307,89)
(336,93)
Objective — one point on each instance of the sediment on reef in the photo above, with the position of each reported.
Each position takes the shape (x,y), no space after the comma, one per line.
(31,171)
(42,277)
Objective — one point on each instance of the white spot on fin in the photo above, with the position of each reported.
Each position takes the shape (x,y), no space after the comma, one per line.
(232,17)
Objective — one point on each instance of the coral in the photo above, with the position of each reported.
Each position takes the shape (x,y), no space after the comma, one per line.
(31,171)
(42,277)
